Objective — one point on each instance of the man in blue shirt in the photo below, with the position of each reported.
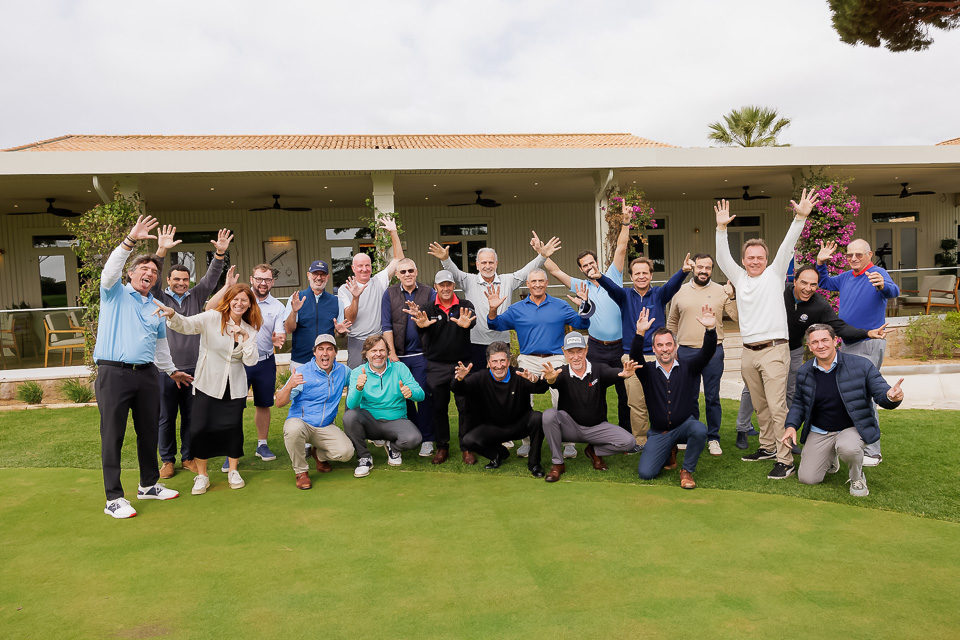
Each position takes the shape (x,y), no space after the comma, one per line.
(315,389)
(864,291)
(312,312)
(130,336)
(633,300)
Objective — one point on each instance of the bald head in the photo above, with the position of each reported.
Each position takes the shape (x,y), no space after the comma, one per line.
(362,268)
(859,244)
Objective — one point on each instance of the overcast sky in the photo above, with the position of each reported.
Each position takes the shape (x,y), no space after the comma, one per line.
(659,69)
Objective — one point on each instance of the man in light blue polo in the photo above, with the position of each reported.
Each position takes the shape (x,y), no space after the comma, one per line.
(130,336)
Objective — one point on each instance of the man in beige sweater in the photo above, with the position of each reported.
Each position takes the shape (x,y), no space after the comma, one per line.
(685,309)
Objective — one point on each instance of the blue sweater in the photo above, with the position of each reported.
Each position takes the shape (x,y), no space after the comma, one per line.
(631,303)
(861,304)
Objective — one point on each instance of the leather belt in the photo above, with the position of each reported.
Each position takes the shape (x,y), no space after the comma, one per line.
(542,355)
(760,346)
(125,365)
(605,342)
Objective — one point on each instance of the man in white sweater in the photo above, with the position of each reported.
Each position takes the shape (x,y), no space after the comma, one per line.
(765,361)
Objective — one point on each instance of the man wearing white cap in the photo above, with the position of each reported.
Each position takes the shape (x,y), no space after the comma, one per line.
(316,389)
(581,413)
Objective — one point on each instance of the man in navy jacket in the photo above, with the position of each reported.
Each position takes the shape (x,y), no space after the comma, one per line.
(833,403)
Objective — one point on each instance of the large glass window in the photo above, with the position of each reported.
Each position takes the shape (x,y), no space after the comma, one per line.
(53,280)
(464,240)
(652,246)
(346,242)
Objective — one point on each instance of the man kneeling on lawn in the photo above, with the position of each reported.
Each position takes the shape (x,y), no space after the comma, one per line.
(315,388)
(832,402)
(581,413)
(671,386)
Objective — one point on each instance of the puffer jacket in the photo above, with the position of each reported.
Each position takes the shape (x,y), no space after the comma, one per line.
(858,381)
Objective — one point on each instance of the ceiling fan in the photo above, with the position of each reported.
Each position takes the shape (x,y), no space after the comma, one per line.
(905,192)
(276,206)
(483,202)
(57,211)
(746,196)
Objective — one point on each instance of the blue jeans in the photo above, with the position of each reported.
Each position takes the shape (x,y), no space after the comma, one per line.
(711,389)
(660,443)
(172,399)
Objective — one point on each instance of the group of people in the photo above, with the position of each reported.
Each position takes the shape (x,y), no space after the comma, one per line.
(411,345)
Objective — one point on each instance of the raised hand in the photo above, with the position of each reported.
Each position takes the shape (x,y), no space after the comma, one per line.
(354,287)
(144,225)
(895,393)
(549,373)
(529,375)
(644,321)
(535,242)
(295,380)
(549,247)
(405,390)
(878,333)
(466,317)
(583,294)
(296,302)
(163,310)
(165,239)
(342,327)
(388,224)
(688,264)
(807,203)
(827,250)
(182,378)
(361,379)
(729,289)
(494,298)
(626,214)
(232,276)
(412,308)
(875,279)
(722,211)
(629,369)
(438,251)
(707,317)
(224,238)
(460,372)
(789,436)
(420,318)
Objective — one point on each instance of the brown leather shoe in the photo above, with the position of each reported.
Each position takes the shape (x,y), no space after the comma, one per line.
(441,455)
(597,461)
(189,465)
(686,480)
(672,462)
(322,465)
(555,472)
(303,480)
(167,471)
(469,457)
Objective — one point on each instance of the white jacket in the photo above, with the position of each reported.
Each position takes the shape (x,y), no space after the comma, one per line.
(219,360)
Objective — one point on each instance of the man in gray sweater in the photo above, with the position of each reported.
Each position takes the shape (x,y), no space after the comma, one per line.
(184,349)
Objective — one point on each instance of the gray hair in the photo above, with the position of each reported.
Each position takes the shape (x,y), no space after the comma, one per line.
(487,249)
(541,271)
(819,327)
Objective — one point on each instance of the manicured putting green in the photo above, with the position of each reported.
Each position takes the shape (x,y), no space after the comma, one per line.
(441,555)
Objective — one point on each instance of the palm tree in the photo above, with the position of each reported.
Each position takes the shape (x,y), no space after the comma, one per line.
(749,126)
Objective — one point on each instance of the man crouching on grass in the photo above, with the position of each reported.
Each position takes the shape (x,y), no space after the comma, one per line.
(832,402)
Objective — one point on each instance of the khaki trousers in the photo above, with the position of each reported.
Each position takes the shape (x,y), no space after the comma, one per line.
(535,364)
(639,418)
(329,442)
(765,374)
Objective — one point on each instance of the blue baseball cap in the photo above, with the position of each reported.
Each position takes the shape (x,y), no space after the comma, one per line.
(318,265)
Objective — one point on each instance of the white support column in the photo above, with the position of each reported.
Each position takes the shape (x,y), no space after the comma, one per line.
(383,191)
(601,182)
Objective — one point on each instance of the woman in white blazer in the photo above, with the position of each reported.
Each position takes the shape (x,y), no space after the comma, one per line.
(227,342)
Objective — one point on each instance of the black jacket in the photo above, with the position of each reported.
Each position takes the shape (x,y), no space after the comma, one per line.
(817,309)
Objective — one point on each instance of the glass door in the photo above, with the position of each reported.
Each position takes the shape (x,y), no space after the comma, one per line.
(895,249)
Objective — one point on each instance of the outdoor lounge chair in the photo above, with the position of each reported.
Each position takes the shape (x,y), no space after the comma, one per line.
(61,336)
(935,291)
(8,337)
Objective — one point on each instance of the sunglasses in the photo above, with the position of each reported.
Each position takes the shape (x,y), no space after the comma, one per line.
(404,272)
(855,255)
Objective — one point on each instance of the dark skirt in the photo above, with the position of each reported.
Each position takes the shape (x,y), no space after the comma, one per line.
(217,426)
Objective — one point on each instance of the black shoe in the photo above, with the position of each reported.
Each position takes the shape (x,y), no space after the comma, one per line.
(537,471)
(742,440)
(752,432)
(497,461)
(795,449)
(781,471)
(759,454)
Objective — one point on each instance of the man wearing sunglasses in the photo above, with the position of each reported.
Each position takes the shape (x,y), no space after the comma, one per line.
(404,344)
(864,291)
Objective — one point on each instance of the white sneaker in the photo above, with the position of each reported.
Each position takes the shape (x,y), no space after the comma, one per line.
(523,451)
(394,459)
(200,485)
(859,488)
(156,492)
(426,450)
(872,461)
(569,451)
(681,446)
(236,482)
(714,447)
(119,509)
(363,467)
(508,444)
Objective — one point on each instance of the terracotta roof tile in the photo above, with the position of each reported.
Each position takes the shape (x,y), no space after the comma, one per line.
(221,143)
(954,141)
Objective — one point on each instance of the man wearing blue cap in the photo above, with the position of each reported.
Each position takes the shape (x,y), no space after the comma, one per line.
(581,413)
(310,313)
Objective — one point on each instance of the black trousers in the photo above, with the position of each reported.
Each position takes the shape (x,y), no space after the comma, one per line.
(487,439)
(609,354)
(175,399)
(478,355)
(439,379)
(119,392)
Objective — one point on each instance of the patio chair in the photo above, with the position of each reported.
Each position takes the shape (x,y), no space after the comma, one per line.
(8,337)
(935,291)
(60,336)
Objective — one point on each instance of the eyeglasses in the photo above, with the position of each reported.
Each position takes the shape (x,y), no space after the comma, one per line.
(404,272)
(262,280)
(317,274)
(855,255)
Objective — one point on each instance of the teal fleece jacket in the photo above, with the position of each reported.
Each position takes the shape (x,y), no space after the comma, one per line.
(381,394)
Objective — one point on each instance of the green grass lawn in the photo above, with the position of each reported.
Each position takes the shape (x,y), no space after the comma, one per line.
(451,551)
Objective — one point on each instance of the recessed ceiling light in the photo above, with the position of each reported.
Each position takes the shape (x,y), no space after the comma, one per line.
(324,187)
(434,185)
(514,196)
(211,188)
(16,206)
(331,201)
(634,182)
(426,198)
(683,193)
(536,184)
(89,191)
(724,180)
(231,202)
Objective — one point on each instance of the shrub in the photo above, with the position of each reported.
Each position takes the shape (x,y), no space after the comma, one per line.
(932,336)
(282,378)
(30,392)
(77,391)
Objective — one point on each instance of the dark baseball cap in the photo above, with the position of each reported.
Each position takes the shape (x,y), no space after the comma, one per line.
(318,265)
